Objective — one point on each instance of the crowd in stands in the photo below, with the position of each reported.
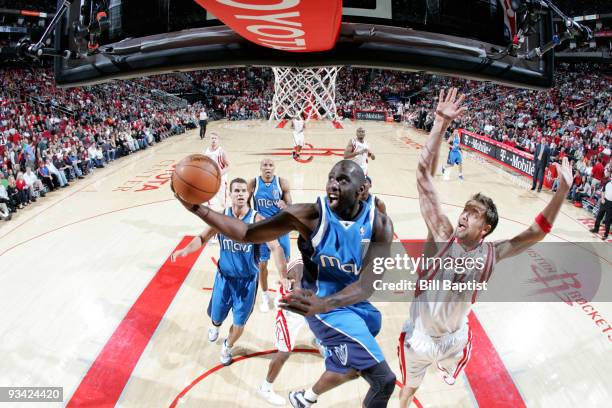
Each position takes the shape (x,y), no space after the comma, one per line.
(575,118)
(51,137)
(62,134)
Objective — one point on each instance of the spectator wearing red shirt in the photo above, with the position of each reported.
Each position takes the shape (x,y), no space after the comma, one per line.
(598,172)
(23,191)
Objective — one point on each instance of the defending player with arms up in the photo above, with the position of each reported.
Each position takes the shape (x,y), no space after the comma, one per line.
(437,329)
(235,284)
(270,194)
(333,297)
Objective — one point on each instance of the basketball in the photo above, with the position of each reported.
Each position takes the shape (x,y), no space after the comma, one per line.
(196,179)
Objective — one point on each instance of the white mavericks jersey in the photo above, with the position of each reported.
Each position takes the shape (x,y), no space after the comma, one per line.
(437,312)
(360,159)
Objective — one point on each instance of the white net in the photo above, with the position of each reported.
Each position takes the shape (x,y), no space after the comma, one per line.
(310,92)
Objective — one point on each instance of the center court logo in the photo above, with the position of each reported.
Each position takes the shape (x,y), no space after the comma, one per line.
(341,352)
(308,153)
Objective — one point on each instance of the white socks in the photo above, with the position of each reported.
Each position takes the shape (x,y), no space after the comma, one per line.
(310,395)
(266,386)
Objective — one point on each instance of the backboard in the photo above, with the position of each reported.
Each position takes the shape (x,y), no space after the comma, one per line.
(458,38)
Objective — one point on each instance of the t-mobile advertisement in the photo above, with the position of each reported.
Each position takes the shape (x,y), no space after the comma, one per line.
(370,115)
(514,158)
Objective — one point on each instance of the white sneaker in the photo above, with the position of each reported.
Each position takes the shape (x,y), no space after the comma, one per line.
(270,396)
(264,307)
(213,334)
(226,354)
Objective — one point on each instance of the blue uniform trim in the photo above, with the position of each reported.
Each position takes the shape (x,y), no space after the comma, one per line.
(348,334)
(265,201)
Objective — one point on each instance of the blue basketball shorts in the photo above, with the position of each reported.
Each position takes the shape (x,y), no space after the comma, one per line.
(347,333)
(235,294)
(455,157)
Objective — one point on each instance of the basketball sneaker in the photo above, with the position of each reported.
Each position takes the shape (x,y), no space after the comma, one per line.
(226,354)
(270,396)
(461,177)
(265,303)
(298,400)
(213,334)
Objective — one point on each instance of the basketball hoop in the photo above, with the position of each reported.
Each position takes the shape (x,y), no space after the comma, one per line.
(310,92)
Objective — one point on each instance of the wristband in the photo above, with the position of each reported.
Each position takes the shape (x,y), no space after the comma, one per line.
(443,116)
(543,223)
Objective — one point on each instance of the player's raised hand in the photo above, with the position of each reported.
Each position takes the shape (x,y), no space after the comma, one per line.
(304,302)
(188,206)
(566,175)
(449,106)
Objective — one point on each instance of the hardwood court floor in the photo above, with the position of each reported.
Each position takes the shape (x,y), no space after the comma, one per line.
(91,303)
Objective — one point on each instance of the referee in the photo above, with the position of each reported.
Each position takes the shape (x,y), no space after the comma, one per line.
(203,123)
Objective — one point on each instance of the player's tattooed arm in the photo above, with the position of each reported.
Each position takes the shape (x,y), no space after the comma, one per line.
(448,108)
(438,224)
(306,303)
(535,233)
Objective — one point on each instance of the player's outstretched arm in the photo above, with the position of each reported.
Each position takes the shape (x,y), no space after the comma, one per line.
(543,222)
(278,255)
(195,244)
(298,217)
(306,303)
(448,109)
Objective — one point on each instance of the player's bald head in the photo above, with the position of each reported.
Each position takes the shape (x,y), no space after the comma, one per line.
(351,169)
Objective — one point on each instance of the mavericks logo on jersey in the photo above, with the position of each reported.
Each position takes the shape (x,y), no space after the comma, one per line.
(265,203)
(333,262)
(342,353)
(232,246)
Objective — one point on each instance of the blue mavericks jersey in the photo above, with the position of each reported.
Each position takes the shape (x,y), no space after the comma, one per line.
(266,196)
(371,201)
(238,259)
(456,143)
(339,246)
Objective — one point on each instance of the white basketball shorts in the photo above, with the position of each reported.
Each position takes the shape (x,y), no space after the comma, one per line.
(417,351)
